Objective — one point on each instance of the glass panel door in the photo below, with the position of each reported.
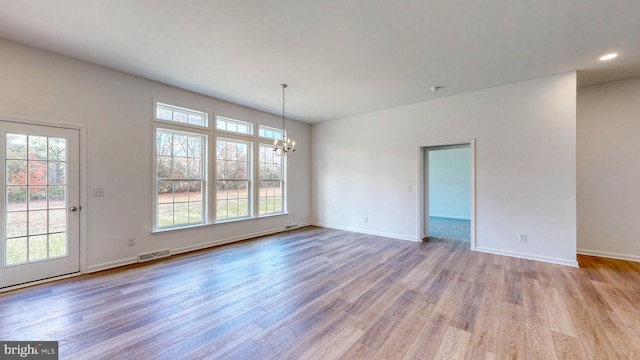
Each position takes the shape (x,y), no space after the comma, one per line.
(40,208)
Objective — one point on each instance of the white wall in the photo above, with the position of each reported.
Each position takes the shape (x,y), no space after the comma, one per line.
(362,166)
(450,183)
(608,170)
(525,166)
(116,110)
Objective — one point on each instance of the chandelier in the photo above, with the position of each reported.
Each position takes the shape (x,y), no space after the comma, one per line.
(284,146)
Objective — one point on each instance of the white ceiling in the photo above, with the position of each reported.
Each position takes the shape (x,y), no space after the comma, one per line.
(339,57)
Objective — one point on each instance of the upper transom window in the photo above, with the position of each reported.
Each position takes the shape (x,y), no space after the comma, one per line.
(165,112)
(232,125)
(269,132)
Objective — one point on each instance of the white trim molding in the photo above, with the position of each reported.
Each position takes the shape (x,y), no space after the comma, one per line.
(423,206)
(185,249)
(609,255)
(39,282)
(111,265)
(526,256)
(367,232)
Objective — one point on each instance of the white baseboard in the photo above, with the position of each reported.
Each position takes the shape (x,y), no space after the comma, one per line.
(111,265)
(573,263)
(609,255)
(551,260)
(231,240)
(128,261)
(39,282)
(368,232)
(180,250)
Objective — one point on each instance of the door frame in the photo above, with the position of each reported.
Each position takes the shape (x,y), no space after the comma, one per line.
(82,172)
(423,181)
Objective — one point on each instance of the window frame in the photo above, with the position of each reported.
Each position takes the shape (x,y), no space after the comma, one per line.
(189,109)
(211,134)
(250,177)
(281,180)
(232,120)
(205,187)
(282,132)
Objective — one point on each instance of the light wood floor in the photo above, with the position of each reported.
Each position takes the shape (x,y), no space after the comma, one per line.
(324,294)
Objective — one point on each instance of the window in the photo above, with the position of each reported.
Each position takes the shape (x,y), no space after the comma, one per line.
(36,189)
(269,132)
(180,115)
(232,179)
(180,178)
(271,187)
(244,180)
(236,126)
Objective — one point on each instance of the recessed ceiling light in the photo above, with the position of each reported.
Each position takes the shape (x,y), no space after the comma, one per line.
(609,57)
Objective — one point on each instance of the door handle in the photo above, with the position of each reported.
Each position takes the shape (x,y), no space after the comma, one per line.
(73,209)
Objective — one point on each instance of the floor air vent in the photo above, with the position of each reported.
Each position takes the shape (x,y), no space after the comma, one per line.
(154,255)
(292,226)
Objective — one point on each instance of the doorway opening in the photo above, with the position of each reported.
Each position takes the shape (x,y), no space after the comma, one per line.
(447,191)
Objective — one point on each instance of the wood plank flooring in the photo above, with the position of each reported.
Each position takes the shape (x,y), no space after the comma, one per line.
(317,293)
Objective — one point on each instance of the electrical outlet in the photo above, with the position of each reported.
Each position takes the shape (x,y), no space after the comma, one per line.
(366,219)
(523,237)
(97,192)
(131,241)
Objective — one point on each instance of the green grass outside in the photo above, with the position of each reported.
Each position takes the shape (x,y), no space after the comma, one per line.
(34,248)
(35,235)
(191,212)
(21,248)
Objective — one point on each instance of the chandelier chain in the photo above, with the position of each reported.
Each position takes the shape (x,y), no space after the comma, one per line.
(283,146)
